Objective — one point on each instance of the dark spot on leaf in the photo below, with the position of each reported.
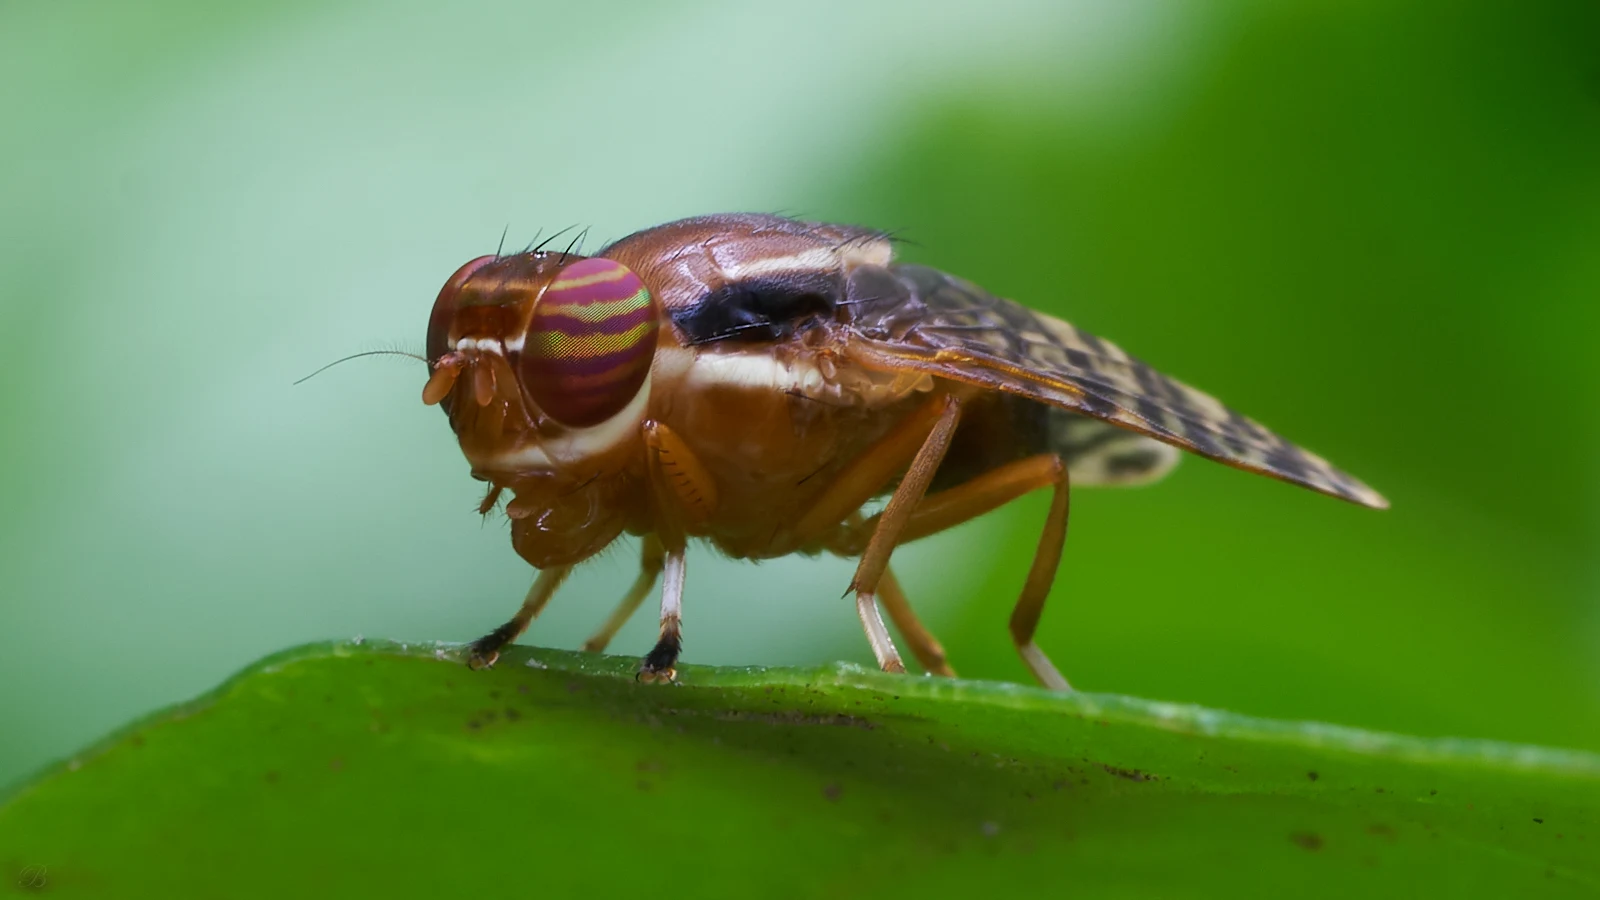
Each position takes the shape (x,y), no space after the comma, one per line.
(1538,821)
(270,778)
(832,792)
(335,764)
(1307,840)
(474,724)
(792,718)
(573,687)
(1378,829)
(1130,774)
(1433,793)
(1313,776)
(522,689)
(1377,790)
(512,715)
(494,695)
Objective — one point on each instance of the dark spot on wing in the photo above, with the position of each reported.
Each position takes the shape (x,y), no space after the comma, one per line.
(1153,413)
(1098,406)
(1133,461)
(1078,359)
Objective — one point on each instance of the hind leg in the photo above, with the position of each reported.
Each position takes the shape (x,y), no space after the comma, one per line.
(1041,575)
(967,501)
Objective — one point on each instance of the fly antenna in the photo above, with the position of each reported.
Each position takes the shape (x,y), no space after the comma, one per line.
(417,357)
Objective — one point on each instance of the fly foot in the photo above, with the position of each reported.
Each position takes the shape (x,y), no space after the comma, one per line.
(660,665)
(649,675)
(484,652)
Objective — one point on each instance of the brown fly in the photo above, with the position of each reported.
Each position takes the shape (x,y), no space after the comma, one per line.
(758,383)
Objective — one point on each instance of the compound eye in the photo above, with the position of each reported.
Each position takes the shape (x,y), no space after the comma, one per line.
(590,343)
(444,308)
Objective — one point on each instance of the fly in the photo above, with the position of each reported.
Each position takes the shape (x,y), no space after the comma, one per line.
(755,382)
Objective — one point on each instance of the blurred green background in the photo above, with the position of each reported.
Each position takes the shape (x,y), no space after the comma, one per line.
(1374,226)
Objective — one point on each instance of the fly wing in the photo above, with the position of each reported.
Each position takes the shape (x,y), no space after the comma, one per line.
(908,317)
(1097,453)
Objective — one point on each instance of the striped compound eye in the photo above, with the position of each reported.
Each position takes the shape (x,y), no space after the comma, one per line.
(590,343)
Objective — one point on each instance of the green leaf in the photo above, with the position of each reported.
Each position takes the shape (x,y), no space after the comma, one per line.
(393,770)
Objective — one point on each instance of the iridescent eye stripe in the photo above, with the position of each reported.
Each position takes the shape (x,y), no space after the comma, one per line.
(591,342)
(596,312)
(556,342)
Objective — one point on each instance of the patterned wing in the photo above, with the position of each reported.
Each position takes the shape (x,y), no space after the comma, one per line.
(912,317)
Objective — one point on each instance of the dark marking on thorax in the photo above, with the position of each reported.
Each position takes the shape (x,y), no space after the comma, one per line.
(761,310)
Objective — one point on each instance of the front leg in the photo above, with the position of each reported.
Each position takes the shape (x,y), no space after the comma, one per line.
(684,493)
(483,652)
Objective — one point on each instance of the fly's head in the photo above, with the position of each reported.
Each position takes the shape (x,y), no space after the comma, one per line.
(542,363)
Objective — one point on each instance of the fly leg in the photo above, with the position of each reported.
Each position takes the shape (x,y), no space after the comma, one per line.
(660,664)
(483,652)
(974,498)
(924,646)
(650,561)
(875,561)
(684,495)
(921,438)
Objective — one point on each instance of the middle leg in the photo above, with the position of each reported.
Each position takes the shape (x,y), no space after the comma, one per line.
(682,491)
(875,561)
(922,437)
(650,561)
(660,664)
(924,646)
